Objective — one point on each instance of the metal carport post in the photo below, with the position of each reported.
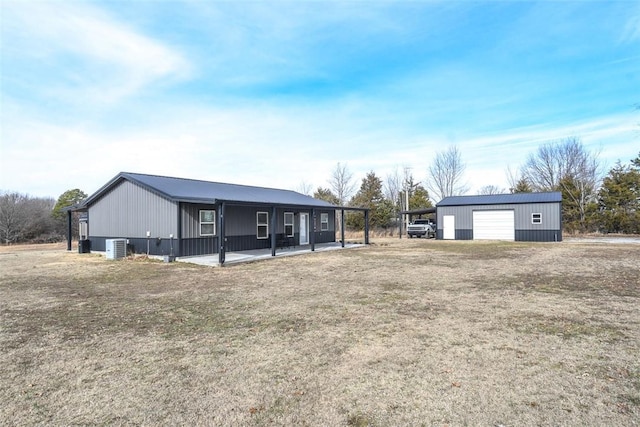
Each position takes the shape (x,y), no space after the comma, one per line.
(273,224)
(342,227)
(312,230)
(221,234)
(366,227)
(69,232)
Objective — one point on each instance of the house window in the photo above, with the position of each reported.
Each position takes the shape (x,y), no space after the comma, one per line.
(207,222)
(324,222)
(288,224)
(536,218)
(263,225)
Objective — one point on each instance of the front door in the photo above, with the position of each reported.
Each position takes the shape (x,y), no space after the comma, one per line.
(449,227)
(304,228)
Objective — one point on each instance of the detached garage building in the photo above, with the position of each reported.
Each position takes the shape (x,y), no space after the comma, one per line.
(532,217)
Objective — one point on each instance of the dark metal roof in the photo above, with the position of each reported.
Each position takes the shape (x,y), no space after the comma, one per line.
(419,211)
(502,199)
(197,191)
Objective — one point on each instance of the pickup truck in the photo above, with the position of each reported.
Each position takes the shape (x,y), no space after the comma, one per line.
(422,227)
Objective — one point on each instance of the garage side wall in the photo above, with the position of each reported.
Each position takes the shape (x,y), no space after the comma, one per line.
(525,230)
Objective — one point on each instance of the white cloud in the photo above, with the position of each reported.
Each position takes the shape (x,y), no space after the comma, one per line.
(631,30)
(92,57)
(273,146)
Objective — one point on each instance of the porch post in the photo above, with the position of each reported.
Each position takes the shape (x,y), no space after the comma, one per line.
(178,232)
(366,227)
(342,227)
(69,234)
(273,230)
(312,230)
(221,234)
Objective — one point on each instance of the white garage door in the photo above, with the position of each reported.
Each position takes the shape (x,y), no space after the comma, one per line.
(493,225)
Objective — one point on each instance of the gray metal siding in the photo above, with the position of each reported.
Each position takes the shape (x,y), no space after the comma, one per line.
(129,211)
(538,236)
(242,220)
(549,230)
(551,215)
(190,221)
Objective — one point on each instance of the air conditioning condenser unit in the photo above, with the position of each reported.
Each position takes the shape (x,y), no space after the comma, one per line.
(116,248)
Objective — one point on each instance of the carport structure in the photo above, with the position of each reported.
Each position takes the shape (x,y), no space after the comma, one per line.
(407,216)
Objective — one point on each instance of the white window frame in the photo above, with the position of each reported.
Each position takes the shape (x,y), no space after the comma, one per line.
(288,224)
(324,221)
(262,225)
(201,222)
(536,218)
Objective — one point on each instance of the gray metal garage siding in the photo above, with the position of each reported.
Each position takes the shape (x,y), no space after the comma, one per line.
(524,204)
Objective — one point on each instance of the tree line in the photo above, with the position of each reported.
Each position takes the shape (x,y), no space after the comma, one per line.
(592,201)
(36,219)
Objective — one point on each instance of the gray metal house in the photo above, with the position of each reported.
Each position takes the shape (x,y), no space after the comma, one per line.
(534,217)
(183,217)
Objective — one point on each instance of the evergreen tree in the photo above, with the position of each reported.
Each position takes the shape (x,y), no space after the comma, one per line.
(66,199)
(326,195)
(522,186)
(370,196)
(419,199)
(619,199)
(577,215)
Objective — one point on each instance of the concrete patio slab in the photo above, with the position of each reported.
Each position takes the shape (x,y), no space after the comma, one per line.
(259,254)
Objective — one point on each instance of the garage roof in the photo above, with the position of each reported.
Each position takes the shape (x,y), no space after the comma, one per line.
(502,199)
(197,191)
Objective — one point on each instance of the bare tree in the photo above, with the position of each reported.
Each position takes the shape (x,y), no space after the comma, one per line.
(513,177)
(490,189)
(554,161)
(566,166)
(341,183)
(393,186)
(342,186)
(517,181)
(13,216)
(305,188)
(446,173)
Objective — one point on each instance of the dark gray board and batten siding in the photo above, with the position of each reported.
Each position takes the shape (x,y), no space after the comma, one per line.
(241,228)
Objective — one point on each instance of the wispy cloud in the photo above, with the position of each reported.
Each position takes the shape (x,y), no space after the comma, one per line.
(188,89)
(89,55)
(631,30)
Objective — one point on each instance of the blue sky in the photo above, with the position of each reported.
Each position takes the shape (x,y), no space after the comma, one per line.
(277,93)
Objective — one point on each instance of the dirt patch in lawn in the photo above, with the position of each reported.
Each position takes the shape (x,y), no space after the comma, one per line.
(403,332)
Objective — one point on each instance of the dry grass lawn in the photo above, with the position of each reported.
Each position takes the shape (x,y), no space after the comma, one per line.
(403,332)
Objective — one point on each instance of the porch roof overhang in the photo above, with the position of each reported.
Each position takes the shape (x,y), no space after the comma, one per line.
(419,211)
(232,202)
